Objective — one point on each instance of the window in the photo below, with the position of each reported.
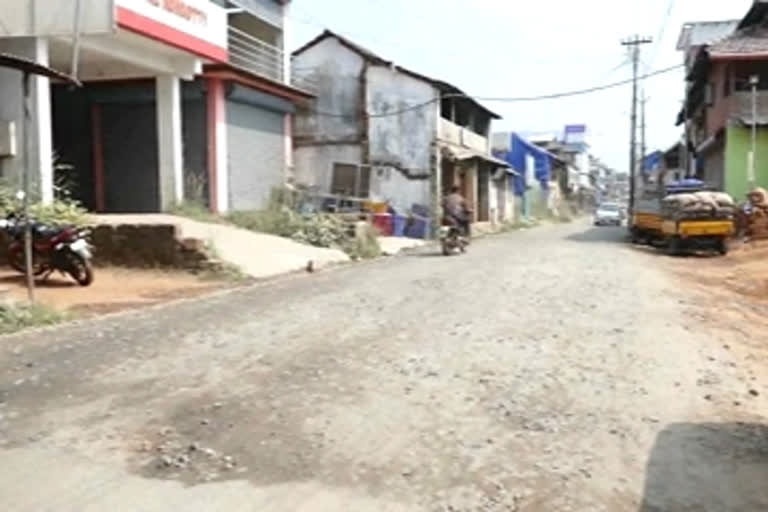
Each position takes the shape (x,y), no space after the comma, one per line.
(351,180)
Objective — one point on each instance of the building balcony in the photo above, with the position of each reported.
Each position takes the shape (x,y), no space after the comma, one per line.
(740,106)
(254,55)
(459,136)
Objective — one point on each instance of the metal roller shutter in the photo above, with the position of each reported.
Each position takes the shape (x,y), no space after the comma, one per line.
(256,155)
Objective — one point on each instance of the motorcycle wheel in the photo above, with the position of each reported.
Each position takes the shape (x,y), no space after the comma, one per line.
(446,248)
(80,269)
(17,261)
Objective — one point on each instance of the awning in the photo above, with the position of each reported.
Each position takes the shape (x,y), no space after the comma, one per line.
(33,68)
(464,154)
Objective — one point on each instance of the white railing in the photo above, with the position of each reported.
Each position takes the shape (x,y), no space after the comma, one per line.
(450,132)
(454,134)
(474,141)
(254,55)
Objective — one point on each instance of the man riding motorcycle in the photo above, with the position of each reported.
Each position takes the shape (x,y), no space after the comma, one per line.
(456,212)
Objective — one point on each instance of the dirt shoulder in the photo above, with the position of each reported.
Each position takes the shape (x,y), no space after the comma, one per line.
(114,289)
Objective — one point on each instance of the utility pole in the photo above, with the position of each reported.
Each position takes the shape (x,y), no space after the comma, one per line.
(754,81)
(633,44)
(643,148)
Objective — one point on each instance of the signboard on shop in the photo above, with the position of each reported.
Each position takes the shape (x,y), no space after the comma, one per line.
(575,133)
(196,26)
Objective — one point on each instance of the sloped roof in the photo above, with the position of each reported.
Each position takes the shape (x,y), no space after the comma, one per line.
(705,32)
(444,87)
(749,40)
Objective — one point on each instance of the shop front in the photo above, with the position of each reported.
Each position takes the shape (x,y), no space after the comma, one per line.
(123,133)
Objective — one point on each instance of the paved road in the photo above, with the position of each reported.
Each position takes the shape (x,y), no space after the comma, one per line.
(553,369)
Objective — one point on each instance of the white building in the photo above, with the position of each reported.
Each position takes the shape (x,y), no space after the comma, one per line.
(387,133)
(181,99)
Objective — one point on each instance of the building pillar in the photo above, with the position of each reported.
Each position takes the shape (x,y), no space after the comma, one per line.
(436,191)
(218,174)
(472,177)
(290,176)
(11,109)
(169,141)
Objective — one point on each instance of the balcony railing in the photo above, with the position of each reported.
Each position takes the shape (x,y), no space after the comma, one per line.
(460,136)
(741,105)
(254,55)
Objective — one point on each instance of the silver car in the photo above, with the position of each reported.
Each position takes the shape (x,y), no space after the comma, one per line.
(608,214)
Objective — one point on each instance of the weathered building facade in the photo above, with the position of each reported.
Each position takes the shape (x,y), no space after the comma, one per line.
(181,100)
(382,132)
(721,59)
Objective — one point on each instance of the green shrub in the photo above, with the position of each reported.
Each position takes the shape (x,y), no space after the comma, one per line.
(319,230)
(59,212)
(15,317)
(195,210)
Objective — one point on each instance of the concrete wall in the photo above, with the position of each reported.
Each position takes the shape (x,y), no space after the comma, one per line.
(314,164)
(139,246)
(401,147)
(319,141)
(717,114)
(334,71)
(714,165)
(11,105)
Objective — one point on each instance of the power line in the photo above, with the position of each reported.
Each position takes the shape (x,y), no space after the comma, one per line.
(518,99)
(662,30)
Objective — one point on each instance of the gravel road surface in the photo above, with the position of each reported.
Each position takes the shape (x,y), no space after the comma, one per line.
(556,369)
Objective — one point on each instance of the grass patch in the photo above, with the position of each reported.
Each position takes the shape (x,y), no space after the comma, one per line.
(282,219)
(318,230)
(195,211)
(15,317)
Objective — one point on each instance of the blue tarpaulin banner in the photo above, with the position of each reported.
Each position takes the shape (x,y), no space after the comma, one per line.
(517,157)
(652,162)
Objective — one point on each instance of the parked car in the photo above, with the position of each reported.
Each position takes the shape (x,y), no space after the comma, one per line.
(608,214)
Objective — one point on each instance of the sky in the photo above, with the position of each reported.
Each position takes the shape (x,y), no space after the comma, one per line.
(513,48)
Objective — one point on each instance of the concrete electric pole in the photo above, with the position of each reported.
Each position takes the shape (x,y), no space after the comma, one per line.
(643,148)
(634,47)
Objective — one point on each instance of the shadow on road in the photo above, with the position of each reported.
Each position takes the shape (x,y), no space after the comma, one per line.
(600,235)
(708,467)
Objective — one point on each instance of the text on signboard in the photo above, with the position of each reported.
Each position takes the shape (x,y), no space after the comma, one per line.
(183,10)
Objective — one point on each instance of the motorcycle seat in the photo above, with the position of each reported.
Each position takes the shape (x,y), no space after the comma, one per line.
(43,231)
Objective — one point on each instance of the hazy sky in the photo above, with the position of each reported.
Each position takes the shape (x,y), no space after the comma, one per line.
(503,48)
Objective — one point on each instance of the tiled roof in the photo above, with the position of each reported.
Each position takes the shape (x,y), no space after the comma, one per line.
(749,40)
(705,32)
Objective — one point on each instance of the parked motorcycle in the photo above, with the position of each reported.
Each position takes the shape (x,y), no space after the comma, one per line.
(64,249)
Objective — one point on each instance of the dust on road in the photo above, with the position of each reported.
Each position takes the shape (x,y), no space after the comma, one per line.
(553,369)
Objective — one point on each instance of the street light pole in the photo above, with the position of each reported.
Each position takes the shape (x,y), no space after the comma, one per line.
(754,81)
